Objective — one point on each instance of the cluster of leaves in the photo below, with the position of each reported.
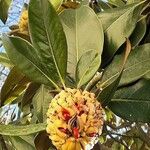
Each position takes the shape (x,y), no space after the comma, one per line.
(79,48)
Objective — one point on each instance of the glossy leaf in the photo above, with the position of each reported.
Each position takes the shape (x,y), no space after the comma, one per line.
(87,66)
(4,60)
(138,64)
(15,85)
(41,102)
(20,50)
(133,102)
(14,130)
(84,33)
(56,3)
(4,5)
(138,33)
(48,38)
(108,90)
(125,20)
(110,16)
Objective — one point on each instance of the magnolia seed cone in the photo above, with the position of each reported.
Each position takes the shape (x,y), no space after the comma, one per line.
(23,22)
(74,120)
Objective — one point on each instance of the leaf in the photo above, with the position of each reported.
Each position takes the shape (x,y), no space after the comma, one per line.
(15,85)
(19,50)
(137,65)
(45,26)
(29,93)
(138,33)
(4,5)
(110,16)
(133,102)
(108,90)
(41,102)
(132,1)
(124,19)
(15,130)
(4,60)
(20,144)
(87,66)
(117,3)
(56,3)
(84,33)
(43,139)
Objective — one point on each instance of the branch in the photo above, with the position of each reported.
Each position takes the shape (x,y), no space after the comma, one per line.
(94,81)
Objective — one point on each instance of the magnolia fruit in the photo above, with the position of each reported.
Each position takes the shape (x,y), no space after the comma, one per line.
(23,22)
(74,120)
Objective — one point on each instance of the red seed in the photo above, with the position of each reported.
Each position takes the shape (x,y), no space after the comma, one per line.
(76,133)
(66,114)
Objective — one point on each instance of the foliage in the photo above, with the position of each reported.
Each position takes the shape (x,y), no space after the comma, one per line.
(78,44)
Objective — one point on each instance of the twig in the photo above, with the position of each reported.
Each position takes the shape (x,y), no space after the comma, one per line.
(94,81)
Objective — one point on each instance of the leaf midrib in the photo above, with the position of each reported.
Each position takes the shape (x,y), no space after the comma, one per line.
(130,100)
(38,68)
(9,129)
(120,17)
(51,49)
(126,69)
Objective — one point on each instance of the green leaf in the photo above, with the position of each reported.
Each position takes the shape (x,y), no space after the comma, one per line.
(48,38)
(4,5)
(137,65)
(56,3)
(119,23)
(109,90)
(132,1)
(87,66)
(4,60)
(15,85)
(117,3)
(41,102)
(20,144)
(110,16)
(133,102)
(14,130)
(84,33)
(138,33)
(22,51)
